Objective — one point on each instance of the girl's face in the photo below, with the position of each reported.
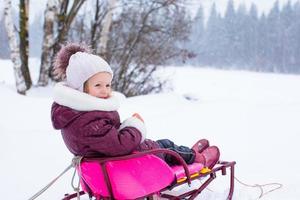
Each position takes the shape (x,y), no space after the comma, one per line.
(99,85)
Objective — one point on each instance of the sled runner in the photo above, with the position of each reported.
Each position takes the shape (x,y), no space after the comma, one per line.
(142,175)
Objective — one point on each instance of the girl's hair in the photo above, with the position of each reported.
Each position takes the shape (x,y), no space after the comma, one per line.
(61,60)
(85,88)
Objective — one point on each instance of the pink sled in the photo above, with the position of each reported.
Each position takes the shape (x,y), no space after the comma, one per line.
(143,175)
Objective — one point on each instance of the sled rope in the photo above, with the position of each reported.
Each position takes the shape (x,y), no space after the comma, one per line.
(74,163)
(261,187)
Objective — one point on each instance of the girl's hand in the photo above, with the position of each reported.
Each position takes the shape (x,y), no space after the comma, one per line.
(138,116)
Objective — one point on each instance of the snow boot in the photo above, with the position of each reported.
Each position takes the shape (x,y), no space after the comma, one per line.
(200,145)
(211,155)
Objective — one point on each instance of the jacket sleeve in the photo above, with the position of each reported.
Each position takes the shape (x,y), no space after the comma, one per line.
(60,116)
(102,137)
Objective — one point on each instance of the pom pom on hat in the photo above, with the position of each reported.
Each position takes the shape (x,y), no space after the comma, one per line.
(77,65)
(61,61)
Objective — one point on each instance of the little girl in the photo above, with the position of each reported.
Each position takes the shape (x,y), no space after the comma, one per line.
(85,110)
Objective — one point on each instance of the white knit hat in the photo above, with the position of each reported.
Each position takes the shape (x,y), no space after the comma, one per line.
(82,66)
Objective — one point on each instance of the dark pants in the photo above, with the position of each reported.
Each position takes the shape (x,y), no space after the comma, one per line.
(186,153)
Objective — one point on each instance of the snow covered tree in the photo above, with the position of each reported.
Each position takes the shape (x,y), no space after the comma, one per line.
(48,41)
(59,16)
(262,62)
(230,22)
(104,35)
(294,32)
(286,22)
(142,35)
(242,39)
(274,40)
(99,14)
(142,38)
(24,43)
(195,42)
(65,17)
(252,37)
(214,42)
(14,48)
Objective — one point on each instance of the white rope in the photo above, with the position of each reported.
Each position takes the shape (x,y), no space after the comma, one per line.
(75,162)
(261,187)
(49,184)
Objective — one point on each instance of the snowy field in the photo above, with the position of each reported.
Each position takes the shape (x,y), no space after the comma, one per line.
(252,117)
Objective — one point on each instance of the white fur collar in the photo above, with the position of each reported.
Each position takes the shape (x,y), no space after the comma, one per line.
(81,101)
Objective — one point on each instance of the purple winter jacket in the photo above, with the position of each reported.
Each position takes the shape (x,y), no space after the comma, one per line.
(98,132)
(94,133)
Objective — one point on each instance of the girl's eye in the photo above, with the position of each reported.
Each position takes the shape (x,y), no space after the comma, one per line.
(97,85)
(108,85)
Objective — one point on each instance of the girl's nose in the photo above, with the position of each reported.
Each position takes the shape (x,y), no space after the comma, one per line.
(104,91)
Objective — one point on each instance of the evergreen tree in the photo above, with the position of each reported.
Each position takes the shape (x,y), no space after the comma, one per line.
(213,45)
(240,54)
(230,21)
(242,39)
(274,40)
(295,32)
(195,43)
(261,62)
(252,37)
(288,41)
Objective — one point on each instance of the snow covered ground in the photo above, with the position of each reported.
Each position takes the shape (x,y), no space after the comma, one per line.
(252,117)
